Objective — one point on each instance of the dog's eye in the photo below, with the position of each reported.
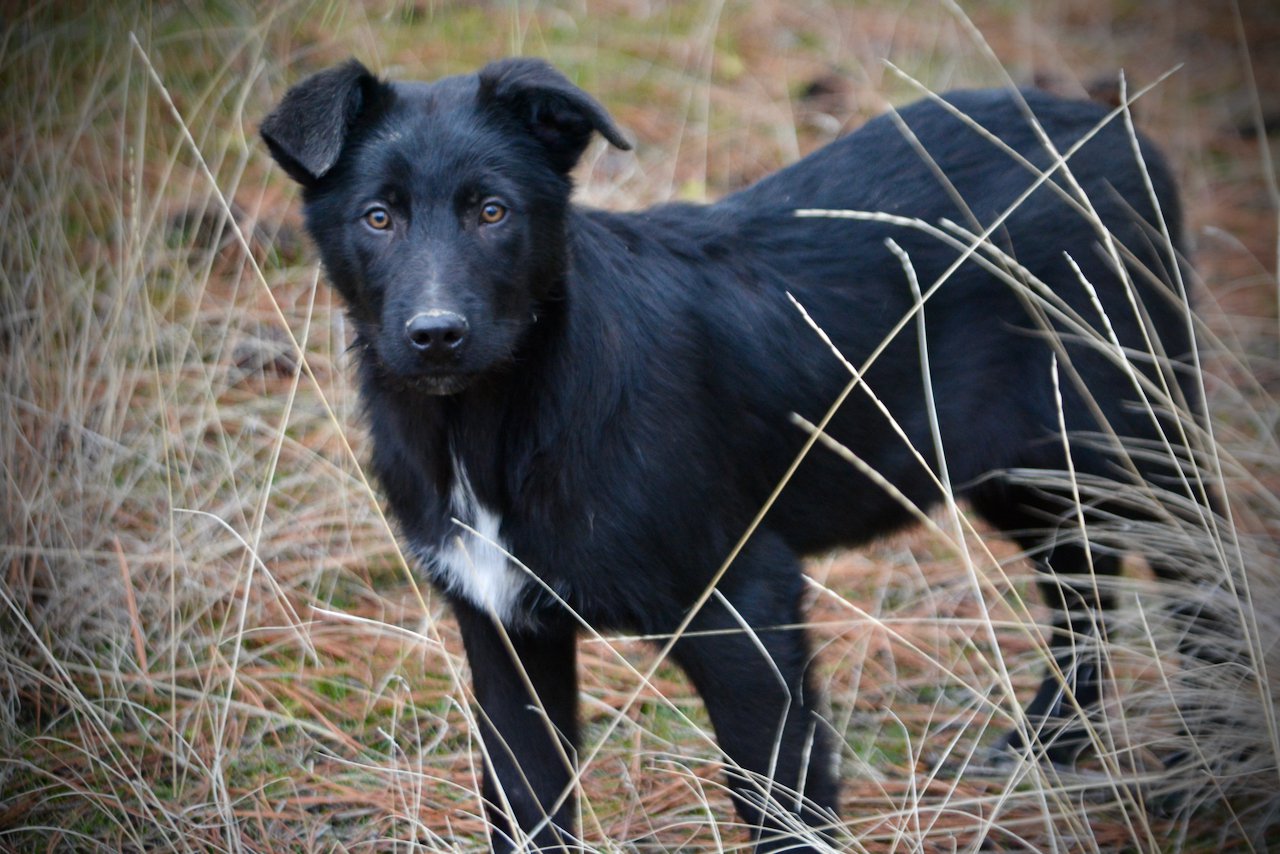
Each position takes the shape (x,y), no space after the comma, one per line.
(492,213)
(378,219)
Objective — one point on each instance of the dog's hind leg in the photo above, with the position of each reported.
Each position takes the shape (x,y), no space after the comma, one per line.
(1211,635)
(528,739)
(748,658)
(1069,586)
(1073,584)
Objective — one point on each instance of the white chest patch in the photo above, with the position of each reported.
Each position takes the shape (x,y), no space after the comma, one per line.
(475,565)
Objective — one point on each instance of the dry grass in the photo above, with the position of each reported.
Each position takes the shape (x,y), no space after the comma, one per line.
(208,639)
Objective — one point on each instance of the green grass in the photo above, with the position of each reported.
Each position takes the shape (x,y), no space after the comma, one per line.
(208,640)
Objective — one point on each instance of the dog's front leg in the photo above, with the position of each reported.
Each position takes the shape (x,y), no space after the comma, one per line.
(750,662)
(528,738)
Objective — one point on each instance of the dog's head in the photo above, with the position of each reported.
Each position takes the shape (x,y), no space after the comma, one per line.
(438,208)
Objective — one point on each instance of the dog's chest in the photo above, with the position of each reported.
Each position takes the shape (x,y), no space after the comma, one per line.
(471,560)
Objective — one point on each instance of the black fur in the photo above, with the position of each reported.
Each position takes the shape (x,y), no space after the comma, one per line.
(618,389)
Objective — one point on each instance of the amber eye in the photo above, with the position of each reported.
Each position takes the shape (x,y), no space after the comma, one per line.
(378,219)
(492,213)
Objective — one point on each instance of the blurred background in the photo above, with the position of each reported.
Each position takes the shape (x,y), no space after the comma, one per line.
(208,637)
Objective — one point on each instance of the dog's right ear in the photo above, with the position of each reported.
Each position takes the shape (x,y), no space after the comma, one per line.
(307,130)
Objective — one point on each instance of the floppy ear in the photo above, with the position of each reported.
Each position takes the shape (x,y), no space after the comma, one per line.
(307,130)
(560,115)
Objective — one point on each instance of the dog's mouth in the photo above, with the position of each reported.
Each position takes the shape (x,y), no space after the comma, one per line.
(397,368)
(436,385)
(413,379)
(432,384)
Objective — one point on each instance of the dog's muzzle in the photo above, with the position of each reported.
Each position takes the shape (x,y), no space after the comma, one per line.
(437,335)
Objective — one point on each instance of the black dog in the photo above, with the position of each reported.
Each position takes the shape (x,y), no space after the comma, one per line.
(611,398)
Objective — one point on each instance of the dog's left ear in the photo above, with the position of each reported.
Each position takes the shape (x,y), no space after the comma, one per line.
(560,115)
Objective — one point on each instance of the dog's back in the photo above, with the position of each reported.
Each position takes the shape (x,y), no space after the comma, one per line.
(712,280)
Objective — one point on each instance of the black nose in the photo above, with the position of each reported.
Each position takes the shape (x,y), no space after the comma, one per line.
(436,333)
